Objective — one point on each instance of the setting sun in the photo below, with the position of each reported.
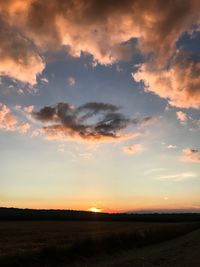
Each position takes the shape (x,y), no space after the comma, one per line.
(93,209)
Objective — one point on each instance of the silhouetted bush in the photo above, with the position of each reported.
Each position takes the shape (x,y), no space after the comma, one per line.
(31,214)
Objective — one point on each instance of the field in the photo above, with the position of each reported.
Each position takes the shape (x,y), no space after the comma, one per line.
(17,237)
(52,243)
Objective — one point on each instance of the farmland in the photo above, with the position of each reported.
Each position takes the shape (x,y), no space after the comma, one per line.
(22,236)
(42,243)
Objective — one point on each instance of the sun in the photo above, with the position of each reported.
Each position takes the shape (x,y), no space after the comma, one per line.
(94,209)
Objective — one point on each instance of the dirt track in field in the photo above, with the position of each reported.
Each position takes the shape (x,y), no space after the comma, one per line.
(180,252)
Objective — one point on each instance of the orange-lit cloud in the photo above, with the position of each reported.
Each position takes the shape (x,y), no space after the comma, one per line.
(7,119)
(10,122)
(180,83)
(181,116)
(133,149)
(100,28)
(18,58)
(24,127)
(190,155)
(61,134)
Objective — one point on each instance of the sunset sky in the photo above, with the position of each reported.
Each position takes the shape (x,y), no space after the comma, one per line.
(100,104)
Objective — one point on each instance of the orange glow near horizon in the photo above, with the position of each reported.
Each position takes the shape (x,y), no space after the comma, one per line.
(94,209)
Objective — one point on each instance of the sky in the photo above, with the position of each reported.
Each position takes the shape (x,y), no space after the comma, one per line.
(100,104)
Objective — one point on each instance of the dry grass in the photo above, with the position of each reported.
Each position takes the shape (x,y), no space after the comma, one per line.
(48,243)
(19,236)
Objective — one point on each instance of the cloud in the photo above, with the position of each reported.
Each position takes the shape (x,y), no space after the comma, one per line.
(181,116)
(190,155)
(60,134)
(61,148)
(155,170)
(7,119)
(103,29)
(171,146)
(29,109)
(134,149)
(177,177)
(45,114)
(86,156)
(20,91)
(71,81)
(18,58)
(10,122)
(179,83)
(24,127)
(91,121)
(44,80)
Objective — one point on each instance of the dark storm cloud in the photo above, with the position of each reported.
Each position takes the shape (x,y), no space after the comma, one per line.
(89,121)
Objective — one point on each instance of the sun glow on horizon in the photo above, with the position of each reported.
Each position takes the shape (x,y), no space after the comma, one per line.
(94,209)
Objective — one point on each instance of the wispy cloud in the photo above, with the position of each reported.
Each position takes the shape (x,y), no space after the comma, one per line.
(86,156)
(155,170)
(178,177)
(61,148)
(171,146)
